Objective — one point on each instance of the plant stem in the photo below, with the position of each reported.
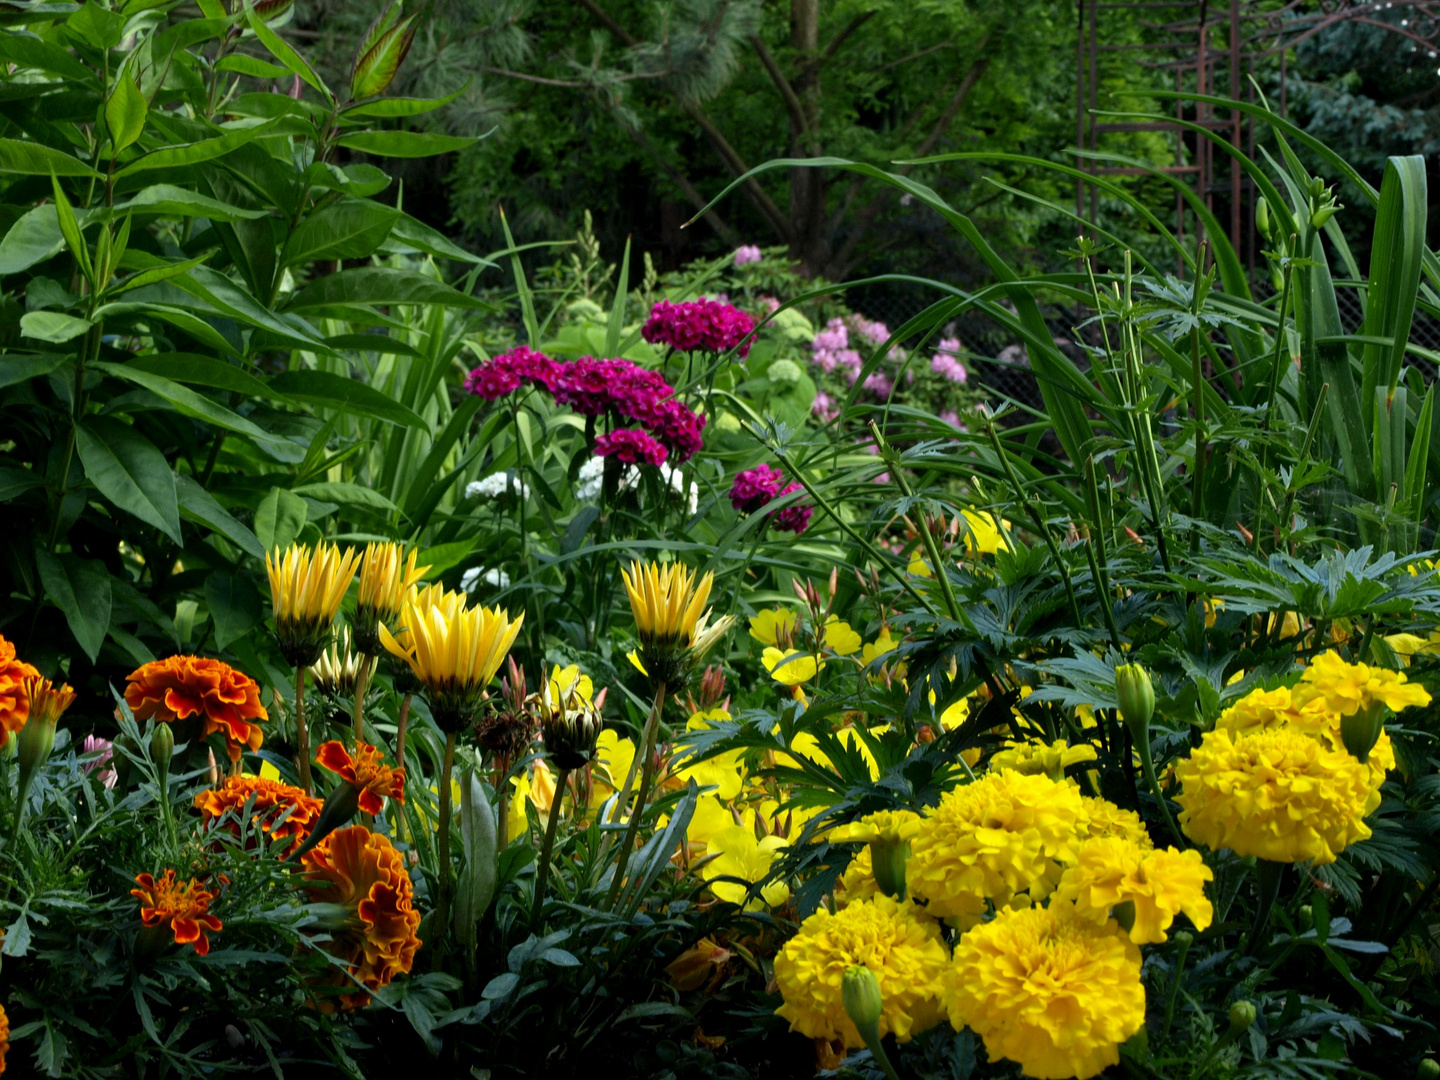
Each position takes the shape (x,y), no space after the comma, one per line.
(362,678)
(1183,947)
(1197,380)
(302,733)
(400,732)
(1268,876)
(442,870)
(871,1035)
(542,874)
(1147,763)
(647,774)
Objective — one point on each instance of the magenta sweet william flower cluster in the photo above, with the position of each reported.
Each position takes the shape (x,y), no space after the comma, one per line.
(755,488)
(699,325)
(597,387)
(632,446)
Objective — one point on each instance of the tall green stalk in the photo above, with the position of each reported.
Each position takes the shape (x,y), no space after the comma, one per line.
(647,774)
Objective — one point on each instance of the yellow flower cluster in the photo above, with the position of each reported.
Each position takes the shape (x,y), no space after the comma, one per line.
(895,940)
(1157,884)
(1002,835)
(1046,759)
(1049,989)
(1348,688)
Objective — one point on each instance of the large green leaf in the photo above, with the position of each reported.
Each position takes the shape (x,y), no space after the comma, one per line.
(28,51)
(1395,262)
(197,504)
(411,235)
(35,237)
(405,144)
(284,53)
(80,588)
(198,370)
(345,395)
(347,494)
(34,159)
(172,201)
(52,326)
(228,298)
(235,606)
(188,402)
(349,229)
(22,367)
(392,107)
(378,285)
(279,519)
(125,112)
(174,157)
(129,471)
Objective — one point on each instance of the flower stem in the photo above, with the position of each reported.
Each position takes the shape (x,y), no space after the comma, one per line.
(1147,763)
(400,732)
(647,774)
(871,1035)
(442,904)
(542,874)
(362,679)
(1182,948)
(1268,876)
(302,733)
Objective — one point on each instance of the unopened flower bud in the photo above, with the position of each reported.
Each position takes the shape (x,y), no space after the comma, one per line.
(1360,731)
(887,860)
(162,747)
(1306,917)
(1428,1069)
(1317,187)
(860,991)
(1262,217)
(1322,215)
(1242,1015)
(1136,695)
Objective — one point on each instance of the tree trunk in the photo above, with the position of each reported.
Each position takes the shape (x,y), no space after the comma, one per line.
(807,186)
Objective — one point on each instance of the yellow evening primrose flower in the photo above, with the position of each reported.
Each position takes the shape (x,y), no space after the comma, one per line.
(882,644)
(983,534)
(269,772)
(614,755)
(791,669)
(887,826)
(710,819)
(744,857)
(726,771)
(839,638)
(769,625)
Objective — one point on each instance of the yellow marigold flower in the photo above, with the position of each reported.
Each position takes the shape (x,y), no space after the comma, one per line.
(454,651)
(1277,794)
(1157,884)
(744,857)
(306,588)
(1048,989)
(895,940)
(772,625)
(857,882)
(1107,819)
(1006,833)
(387,575)
(1036,758)
(887,826)
(1348,688)
(791,668)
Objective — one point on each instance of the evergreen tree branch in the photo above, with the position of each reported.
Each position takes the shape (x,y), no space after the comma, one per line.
(792,100)
(830,50)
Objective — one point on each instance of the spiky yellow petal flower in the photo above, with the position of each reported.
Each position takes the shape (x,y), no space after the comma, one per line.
(1157,884)
(387,575)
(898,943)
(1277,794)
(1004,834)
(671,619)
(306,588)
(1048,989)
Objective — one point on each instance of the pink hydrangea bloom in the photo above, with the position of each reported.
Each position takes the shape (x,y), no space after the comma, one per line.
(795,517)
(946,362)
(699,325)
(824,407)
(880,384)
(747,253)
(632,446)
(507,372)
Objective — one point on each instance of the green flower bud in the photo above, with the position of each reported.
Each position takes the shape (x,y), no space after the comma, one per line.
(1136,695)
(1428,1069)
(162,748)
(1262,217)
(1317,187)
(1360,731)
(1306,917)
(860,991)
(887,860)
(1242,1015)
(1321,216)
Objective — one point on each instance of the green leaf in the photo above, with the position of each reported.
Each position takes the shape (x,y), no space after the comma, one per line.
(172,201)
(197,504)
(35,237)
(97,26)
(190,323)
(70,227)
(477,838)
(405,144)
(379,285)
(443,557)
(17,368)
(375,70)
(616,324)
(129,471)
(376,343)
(285,54)
(279,519)
(53,326)
(1396,254)
(422,477)
(347,495)
(197,370)
(230,299)
(253,66)
(391,107)
(26,51)
(15,482)
(125,112)
(349,229)
(33,159)
(188,402)
(411,235)
(66,579)
(174,157)
(235,606)
(345,395)
(156,274)
(362,180)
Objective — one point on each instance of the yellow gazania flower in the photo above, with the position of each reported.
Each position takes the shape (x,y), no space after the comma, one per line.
(386,577)
(338,669)
(741,855)
(306,588)
(771,624)
(454,652)
(792,668)
(671,619)
(562,679)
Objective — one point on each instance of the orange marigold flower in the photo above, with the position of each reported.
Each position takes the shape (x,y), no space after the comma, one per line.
(184,686)
(366,772)
(14,703)
(4,1037)
(185,907)
(278,809)
(359,871)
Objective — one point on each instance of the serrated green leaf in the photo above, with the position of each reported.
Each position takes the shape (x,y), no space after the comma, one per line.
(125,112)
(128,471)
